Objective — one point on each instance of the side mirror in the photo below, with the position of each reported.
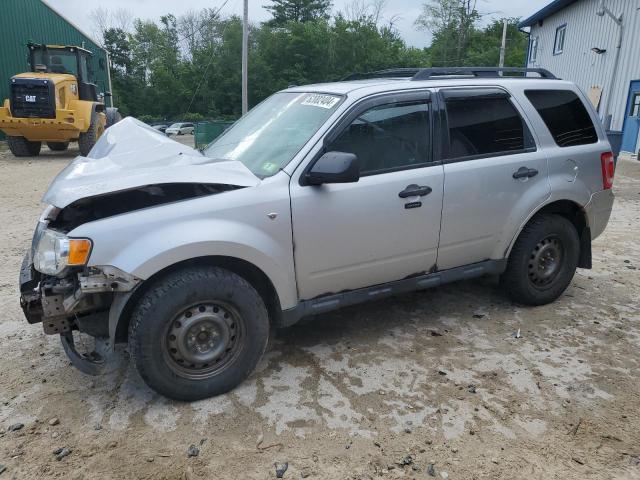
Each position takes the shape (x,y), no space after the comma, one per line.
(334,167)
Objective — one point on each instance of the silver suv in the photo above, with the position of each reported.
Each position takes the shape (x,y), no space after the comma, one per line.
(322,196)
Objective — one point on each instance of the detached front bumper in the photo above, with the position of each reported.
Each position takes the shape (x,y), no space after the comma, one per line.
(78,301)
(30,297)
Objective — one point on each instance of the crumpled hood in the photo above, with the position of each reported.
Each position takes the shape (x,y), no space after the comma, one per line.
(131,154)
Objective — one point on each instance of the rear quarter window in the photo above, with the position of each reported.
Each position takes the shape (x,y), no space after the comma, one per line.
(565,116)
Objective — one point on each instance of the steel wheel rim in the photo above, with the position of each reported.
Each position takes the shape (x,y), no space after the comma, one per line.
(545,261)
(203,339)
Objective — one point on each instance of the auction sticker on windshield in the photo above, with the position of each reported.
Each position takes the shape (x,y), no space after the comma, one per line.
(322,101)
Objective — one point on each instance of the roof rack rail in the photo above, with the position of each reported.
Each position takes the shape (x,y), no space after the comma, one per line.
(429,73)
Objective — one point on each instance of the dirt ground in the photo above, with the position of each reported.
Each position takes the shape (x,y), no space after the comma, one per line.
(380,390)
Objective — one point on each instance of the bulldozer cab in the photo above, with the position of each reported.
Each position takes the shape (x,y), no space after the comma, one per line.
(64,59)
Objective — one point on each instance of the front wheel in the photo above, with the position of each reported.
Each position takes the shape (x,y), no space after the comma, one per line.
(86,140)
(198,332)
(543,260)
(21,147)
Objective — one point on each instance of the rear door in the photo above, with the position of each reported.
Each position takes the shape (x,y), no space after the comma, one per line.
(384,227)
(494,174)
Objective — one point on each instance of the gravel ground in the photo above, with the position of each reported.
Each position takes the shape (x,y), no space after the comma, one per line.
(380,390)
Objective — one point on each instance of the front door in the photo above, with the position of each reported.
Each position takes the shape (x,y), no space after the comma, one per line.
(384,227)
(493,175)
(631,126)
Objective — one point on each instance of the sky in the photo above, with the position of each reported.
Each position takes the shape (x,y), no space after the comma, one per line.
(404,11)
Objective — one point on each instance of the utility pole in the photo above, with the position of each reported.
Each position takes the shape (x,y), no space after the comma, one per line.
(245,58)
(601,12)
(503,46)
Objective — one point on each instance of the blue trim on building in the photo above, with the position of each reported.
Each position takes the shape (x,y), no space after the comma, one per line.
(545,12)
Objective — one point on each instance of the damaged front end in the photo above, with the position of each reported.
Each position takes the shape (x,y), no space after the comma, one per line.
(78,300)
(131,168)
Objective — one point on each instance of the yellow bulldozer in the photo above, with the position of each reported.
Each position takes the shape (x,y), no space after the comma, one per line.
(56,102)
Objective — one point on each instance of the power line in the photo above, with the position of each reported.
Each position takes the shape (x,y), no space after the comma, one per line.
(206,70)
(205,23)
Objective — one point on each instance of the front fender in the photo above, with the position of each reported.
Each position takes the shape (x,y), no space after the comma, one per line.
(144,252)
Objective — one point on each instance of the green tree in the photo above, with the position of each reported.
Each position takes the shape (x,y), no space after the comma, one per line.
(452,23)
(484,47)
(285,11)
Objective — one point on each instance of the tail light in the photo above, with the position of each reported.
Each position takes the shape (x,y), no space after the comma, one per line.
(608,170)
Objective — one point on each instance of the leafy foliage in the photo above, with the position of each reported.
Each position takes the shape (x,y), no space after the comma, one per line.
(189,67)
(285,11)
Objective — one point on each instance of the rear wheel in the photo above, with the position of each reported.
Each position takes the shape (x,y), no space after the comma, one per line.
(21,147)
(198,332)
(543,260)
(88,139)
(58,146)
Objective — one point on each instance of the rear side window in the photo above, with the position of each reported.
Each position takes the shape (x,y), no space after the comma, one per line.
(565,116)
(484,124)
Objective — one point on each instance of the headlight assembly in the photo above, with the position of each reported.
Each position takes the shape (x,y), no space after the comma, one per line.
(55,252)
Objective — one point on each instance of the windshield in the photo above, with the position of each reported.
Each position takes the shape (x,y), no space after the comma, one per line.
(175,125)
(271,134)
(56,61)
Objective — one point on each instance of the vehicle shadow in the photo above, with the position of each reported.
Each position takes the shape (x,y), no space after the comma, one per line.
(460,299)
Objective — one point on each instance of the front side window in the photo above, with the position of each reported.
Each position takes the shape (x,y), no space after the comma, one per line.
(388,137)
(565,116)
(558,46)
(484,124)
(273,132)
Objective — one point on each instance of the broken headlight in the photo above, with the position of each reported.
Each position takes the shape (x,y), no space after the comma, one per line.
(55,252)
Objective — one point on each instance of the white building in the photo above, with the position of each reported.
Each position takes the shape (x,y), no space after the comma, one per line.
(596,44)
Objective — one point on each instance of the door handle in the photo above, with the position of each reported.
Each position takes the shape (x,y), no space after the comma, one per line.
(414,190)
(524,172)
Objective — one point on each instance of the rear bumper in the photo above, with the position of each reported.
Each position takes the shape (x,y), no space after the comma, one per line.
(65,126)
(599,210)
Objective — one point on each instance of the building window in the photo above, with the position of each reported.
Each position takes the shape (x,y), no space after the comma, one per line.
(533,54)
(635,106)
(558,46)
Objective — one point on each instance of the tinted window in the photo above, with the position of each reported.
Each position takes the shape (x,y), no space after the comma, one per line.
(484,125)
(388,137)
(565,116)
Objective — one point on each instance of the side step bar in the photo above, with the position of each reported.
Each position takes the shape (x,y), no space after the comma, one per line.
(331,302)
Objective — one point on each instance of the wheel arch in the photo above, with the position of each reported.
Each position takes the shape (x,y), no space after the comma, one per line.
(578,217)
(122,308)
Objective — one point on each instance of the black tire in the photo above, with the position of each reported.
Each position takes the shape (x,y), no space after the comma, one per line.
(543,260)
(58,146)
(21,147)
(160,333)
(88,139)
(113,116)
